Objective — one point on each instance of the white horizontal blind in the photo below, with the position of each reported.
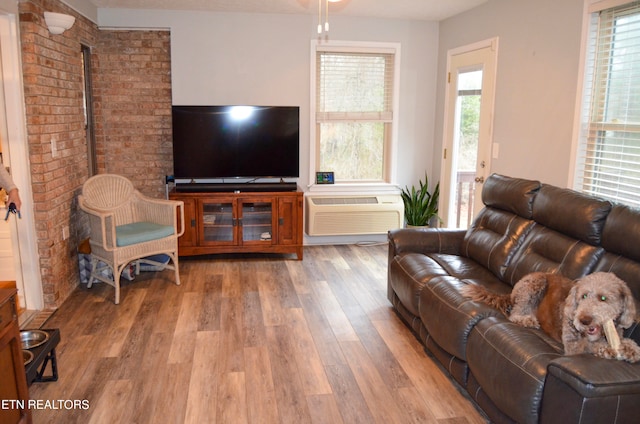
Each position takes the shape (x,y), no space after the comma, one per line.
(610,140)
(354,86)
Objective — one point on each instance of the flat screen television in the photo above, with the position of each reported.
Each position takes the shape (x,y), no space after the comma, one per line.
(217,142)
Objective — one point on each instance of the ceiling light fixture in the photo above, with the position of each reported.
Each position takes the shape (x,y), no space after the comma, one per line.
(326,15)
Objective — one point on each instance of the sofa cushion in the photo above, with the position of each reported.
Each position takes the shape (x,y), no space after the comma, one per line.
(546,250)
(624,268)
(510,363)
(494,238)
(450,317)
(567,211)
(408,275)
(619,239)
(622,225)
(510,194)
(445,313)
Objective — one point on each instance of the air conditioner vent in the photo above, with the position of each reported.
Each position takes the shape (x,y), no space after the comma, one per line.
(370,200)
(353,215)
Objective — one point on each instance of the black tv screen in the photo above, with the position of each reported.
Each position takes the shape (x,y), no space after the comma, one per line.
(236,142)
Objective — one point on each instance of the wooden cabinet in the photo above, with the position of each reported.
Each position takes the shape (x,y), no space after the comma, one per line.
(14,393)
(265,222)
(188,239)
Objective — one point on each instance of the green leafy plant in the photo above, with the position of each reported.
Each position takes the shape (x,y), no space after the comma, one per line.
(420,206)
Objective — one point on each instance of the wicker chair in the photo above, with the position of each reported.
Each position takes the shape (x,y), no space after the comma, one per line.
(127,226)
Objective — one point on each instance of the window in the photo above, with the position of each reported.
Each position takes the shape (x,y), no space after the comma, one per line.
(355,104)
(609,147)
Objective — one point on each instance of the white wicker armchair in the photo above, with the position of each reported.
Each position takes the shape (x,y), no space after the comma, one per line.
(127,226)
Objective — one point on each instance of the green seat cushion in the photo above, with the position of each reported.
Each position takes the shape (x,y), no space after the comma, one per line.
(139,232)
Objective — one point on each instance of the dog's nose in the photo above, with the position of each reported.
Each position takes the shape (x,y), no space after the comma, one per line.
(585,320)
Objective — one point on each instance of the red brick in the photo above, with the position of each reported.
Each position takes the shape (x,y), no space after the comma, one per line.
(132,101)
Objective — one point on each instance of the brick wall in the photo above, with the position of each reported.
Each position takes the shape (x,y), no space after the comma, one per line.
(132,107)
(132,97)
(52,73)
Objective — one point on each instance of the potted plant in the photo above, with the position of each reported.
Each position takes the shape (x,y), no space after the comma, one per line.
(420,206)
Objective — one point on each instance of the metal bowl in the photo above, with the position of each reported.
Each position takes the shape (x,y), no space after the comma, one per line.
(27,357)
(33,338)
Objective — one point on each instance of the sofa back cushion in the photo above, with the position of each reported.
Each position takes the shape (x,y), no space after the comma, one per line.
(566,236)
(547,250)
(494,238)
(572,213)
(622,231)
(620,239)
(500,228)
(514,195)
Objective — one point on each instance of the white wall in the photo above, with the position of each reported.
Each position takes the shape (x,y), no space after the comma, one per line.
(9,6)
(264,59)
(84,7)
(227,58)
(538,67)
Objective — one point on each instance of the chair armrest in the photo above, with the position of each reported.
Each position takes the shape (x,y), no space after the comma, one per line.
(160,211)
(103,225)
(425,240)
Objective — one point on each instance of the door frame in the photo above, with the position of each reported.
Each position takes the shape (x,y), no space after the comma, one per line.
(488,101)
(24,240)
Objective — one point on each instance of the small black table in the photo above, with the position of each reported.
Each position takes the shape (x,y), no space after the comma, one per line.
(42,356)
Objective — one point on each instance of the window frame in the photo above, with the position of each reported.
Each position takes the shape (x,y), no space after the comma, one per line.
(584,124)
(391,146)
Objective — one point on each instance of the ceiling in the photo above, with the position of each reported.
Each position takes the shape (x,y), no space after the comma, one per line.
(426,10)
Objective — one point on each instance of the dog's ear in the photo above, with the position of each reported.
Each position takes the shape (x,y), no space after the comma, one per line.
(629,306)
(571,303)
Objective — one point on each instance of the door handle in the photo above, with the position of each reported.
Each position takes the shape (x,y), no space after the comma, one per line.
(479,180)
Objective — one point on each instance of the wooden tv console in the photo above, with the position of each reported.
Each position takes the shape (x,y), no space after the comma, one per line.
(241,222)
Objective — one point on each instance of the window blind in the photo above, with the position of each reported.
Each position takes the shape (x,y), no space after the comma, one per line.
(354,86)
(610,141)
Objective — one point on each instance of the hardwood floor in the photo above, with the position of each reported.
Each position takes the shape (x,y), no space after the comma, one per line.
(248,340)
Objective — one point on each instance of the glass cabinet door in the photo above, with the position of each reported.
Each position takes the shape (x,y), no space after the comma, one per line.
(218,222)
(257,221)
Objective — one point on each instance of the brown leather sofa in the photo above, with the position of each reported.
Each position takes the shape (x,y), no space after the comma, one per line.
(516,374)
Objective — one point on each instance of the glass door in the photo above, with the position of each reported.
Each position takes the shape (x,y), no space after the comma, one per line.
(218,221)
(467,132)
(257,221)
(467,123)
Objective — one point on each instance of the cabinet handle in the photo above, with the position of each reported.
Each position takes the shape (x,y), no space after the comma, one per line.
(281,221)
(193,223)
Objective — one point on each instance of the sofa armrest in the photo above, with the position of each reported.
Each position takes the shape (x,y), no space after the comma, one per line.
(425,240)
(587,389)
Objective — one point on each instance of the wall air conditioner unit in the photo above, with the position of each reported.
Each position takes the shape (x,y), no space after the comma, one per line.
(353,215)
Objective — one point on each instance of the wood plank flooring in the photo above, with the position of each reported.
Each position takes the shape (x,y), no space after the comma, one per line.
(248,340)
